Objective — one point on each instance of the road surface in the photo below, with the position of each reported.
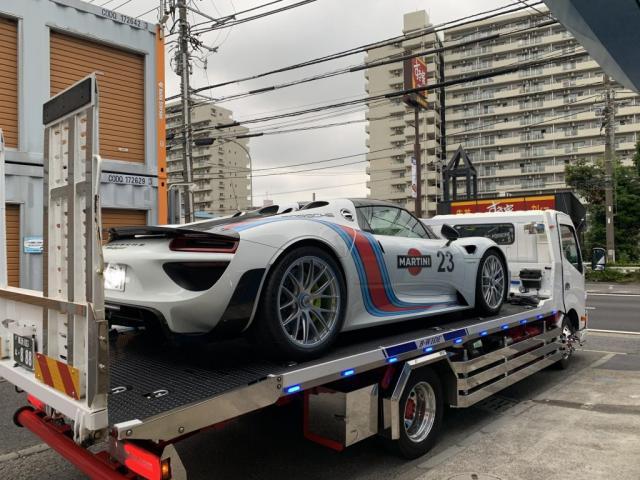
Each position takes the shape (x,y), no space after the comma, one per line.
(556,425)
(612,311)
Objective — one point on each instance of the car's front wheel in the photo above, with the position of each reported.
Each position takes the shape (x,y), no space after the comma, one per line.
(491,283)
(303,305)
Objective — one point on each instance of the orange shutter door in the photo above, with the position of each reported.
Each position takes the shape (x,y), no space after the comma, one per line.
(115,217)
(13,244)
(121,86)
(9,81)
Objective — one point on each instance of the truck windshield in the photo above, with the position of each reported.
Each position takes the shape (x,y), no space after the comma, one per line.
(501,233)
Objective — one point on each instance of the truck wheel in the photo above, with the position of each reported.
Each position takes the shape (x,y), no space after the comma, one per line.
(303,305)
(567,331)
(421,408)
(491,284)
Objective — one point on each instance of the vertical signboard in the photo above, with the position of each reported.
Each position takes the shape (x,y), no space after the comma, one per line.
(415,76)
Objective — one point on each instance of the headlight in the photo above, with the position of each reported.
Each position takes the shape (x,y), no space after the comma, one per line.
(115,276)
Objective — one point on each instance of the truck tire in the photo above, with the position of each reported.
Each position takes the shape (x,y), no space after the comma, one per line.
(567,330)
(303,305)
(491,283)
(421,411)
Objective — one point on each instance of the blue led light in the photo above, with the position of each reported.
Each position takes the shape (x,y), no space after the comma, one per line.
(554,312)
(348,373)
(505,326)
(483,333)
(457,340)
(540,316)
(427,349)
(292,389)
(523,321)
(392,359)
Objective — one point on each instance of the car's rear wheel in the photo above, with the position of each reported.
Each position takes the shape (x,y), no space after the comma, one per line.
(303,305)
(491,283)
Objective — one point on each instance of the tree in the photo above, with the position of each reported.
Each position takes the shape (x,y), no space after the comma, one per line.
(636,157)
(588,182)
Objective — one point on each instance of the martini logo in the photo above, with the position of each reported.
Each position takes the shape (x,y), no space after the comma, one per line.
(414,261)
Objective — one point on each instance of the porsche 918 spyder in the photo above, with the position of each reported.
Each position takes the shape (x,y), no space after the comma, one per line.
(295,279)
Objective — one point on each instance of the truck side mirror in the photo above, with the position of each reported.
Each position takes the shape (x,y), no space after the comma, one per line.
(449,233)
(598,258)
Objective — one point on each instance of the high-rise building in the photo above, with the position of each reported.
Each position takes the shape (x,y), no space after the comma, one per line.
(522,128)
(222,170)
(390,127)
(519,129)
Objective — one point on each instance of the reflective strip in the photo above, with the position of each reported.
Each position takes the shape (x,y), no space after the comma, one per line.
(58,375)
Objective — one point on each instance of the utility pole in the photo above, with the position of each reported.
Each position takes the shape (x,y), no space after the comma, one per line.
(416,155)
(609,155)
(183,70)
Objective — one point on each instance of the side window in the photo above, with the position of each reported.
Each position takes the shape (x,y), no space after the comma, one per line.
(570,248)
(391,221)
(501,233)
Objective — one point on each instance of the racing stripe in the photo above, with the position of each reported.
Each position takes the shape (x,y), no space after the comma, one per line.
(376,287)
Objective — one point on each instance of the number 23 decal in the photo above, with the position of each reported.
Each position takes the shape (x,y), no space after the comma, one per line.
(446,262)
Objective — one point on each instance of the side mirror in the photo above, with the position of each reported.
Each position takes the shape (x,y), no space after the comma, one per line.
(449,233)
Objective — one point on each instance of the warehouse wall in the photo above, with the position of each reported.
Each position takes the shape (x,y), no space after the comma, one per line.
(36,20)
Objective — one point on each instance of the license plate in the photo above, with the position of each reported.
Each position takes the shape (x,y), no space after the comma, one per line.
(115,276)
(23,351)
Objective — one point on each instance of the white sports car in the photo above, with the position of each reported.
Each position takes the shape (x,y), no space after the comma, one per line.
(295,279)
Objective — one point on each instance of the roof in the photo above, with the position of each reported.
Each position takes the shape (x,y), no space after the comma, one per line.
(366,202)
(608,30)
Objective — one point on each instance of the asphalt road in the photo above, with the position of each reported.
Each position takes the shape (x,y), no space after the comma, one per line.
(610,311)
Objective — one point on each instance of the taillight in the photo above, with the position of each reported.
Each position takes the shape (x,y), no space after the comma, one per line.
(194,242)
(36,403)
(145,463)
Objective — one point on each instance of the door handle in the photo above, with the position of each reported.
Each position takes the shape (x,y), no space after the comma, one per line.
(567,286)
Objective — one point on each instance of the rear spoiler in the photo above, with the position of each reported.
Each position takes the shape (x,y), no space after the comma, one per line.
(126,233)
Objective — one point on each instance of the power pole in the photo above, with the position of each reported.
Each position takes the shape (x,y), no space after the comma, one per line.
(416,155)
(183,70)
(609,155)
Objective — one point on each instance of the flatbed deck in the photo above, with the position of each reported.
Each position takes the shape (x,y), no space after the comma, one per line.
(149,380)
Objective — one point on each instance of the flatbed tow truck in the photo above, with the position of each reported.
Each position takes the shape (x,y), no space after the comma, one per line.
(131,400)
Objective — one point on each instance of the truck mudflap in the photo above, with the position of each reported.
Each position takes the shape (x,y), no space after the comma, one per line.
(122,461)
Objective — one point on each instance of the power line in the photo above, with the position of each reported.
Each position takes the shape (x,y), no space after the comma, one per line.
(543,122)
(222,18)
(400,93)
(377,63)
(375,45)
(255,17)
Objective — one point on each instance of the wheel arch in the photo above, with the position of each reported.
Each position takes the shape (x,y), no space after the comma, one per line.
(574,319)
(304,242)
(507,283)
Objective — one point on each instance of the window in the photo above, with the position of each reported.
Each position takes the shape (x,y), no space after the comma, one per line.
(501,233)
(391,221)
(570,248)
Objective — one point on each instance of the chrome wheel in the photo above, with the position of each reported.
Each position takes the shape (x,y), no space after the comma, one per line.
(566,337)
(493,279)
(419,412)
(308,301)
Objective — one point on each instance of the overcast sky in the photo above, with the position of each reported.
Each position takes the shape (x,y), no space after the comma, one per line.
(313,30)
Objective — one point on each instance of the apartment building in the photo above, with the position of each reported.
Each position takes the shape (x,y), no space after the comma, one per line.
(222,170)
(390,127)
(522,128)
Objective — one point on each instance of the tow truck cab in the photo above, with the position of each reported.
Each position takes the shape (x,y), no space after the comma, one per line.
(542,250)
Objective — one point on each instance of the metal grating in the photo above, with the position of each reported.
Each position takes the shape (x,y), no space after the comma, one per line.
(148,379)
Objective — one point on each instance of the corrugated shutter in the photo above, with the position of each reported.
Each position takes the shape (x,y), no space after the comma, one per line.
(121,86)
(115,217)
(9,81)
(12,220)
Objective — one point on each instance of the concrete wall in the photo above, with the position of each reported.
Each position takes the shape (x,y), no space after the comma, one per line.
(36,18)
